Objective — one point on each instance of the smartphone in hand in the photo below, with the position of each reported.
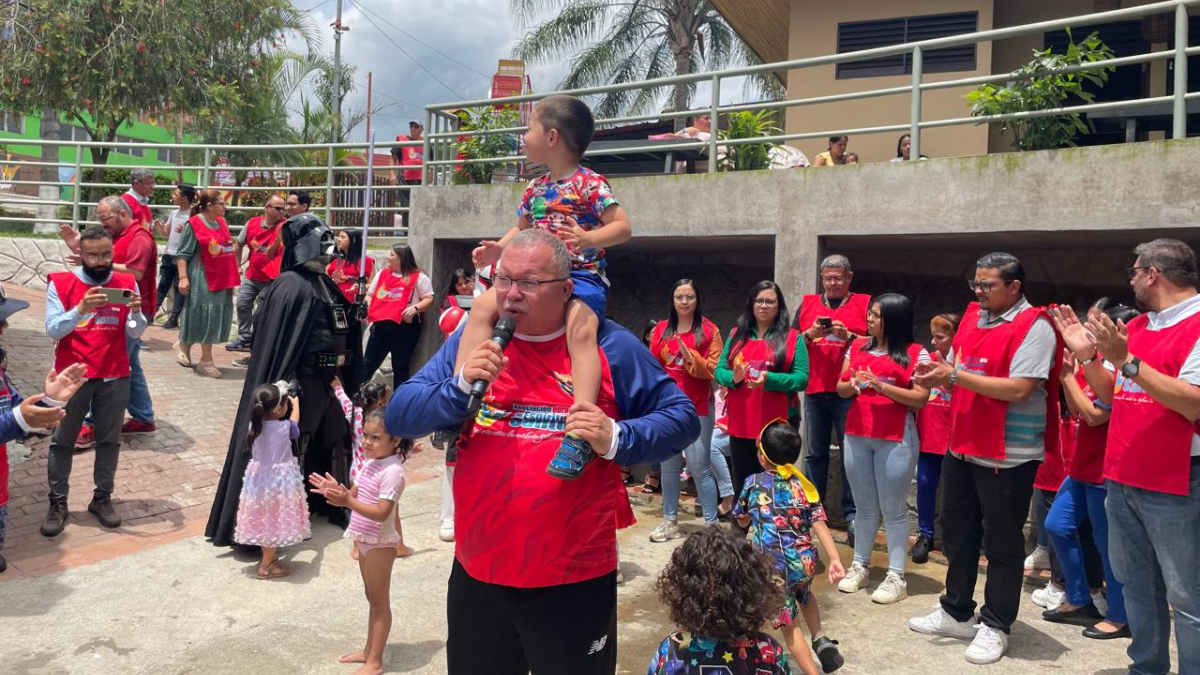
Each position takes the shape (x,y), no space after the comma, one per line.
(118,296)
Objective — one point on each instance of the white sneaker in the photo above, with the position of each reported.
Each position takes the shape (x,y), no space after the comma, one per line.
(1038,560)
(940,623)
(620,576)
(1049,597)
(446,529)
(666,531)
(893,589)
(856,578)
(988,646)
(1100,601)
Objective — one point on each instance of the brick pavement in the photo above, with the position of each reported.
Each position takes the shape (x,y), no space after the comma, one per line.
(165,480)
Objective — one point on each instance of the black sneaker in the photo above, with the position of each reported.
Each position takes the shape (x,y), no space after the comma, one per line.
(3,564)
(828,654)
(102,508)
(921,548)
(172,323)
(572,458)
(239,345)
(56,518)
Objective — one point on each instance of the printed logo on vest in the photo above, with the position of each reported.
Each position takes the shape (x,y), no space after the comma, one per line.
(217,248)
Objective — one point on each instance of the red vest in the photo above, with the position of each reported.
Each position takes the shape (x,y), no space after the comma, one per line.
(1086,462)
(392,295)
(350,269)
(141,213)
(750,409)
(977,422)
(827,355)
(217,254)
(1150,445)
(147,287)
(667,352)
(411,157)
(873,415)
(933,422)
(1053,469)
(258,238)
(515,525)
(98,341)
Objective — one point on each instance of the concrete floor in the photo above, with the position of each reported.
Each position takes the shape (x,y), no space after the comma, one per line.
(188,607)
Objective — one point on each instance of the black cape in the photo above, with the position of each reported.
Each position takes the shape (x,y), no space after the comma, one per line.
(282,325)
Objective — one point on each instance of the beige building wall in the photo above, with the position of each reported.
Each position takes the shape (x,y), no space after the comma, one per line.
(813,32)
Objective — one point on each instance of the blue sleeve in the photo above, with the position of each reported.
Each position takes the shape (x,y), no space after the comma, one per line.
(9,429)
(15,396)
(658,420)
(59,321)
(430,400)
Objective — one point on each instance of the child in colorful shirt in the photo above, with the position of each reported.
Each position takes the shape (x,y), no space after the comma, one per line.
(783,510)
(719,590)
(576,205)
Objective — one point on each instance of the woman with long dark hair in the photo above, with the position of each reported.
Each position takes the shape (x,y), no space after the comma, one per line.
(344,269)
(764,364)
(881,438)
(461,283)
(688,346)
(398,296)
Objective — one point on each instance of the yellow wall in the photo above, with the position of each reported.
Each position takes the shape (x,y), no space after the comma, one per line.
(814,33)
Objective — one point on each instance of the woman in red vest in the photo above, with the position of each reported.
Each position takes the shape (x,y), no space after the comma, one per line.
(933,430)
(344,267)
(208,273)
(398,296)
(764,364)
(881,438)
(688,346)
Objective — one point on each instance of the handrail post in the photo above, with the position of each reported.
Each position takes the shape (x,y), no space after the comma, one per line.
(1179,126)
(329,188)
(714,124)
(426,153)
(77,189)
(914,129)
(204,175)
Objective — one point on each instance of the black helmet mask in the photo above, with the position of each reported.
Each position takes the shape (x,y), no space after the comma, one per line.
(307,242)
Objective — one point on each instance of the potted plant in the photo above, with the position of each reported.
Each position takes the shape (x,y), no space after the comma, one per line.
(747,156)
(487,145)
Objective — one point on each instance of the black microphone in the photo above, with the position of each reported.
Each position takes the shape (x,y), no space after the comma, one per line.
(501,335)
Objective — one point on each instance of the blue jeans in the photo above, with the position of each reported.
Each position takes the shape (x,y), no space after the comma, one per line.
(141,408)
(880,472)
(825,413)
(929,474)
(1075,504)
(699,465)
(719,463)
(1154,543)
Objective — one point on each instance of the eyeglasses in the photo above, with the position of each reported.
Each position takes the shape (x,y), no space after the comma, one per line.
(503,283)
(833,280)
(985,286)
(1133,271)
(766,302)
(105,219)
(684,298)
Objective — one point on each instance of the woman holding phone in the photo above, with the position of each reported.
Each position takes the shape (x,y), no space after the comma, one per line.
(688,346)
(208,273)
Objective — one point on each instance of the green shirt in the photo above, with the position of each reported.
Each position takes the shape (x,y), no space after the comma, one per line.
(795,379)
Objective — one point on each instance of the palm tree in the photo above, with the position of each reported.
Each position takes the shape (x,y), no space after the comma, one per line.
(631,40)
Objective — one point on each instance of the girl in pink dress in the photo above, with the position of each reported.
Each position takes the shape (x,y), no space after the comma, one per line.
(372,527)
(272,510)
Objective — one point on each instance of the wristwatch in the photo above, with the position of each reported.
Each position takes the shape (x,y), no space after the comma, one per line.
(1131,367)
(953,379)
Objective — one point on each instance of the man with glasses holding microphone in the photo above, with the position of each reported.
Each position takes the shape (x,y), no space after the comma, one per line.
(261,237)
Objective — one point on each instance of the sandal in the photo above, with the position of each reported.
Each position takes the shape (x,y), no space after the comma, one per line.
(651,486)
(181,356)
(208,369)
(276,571)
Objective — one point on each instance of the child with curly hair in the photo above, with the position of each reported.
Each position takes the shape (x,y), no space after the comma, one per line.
(783,511)
(719,590)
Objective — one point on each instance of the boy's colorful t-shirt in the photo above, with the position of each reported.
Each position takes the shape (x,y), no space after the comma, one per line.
(781,523)
(583,196)
(685,654)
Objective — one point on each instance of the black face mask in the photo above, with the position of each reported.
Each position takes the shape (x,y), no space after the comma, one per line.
(97,274)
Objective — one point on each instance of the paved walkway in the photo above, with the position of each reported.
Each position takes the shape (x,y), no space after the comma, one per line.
(155,597)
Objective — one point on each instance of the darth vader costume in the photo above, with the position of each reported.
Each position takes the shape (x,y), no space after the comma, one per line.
(306,332)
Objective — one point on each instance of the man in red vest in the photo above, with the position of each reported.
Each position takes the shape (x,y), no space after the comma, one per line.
(1004,412)
(1152,461)
(141,187)
(93,312)
(409,157)
(261,237)
(830,321)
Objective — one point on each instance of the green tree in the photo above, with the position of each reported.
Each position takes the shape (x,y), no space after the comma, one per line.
(488,145)
(617,41)
(103,62)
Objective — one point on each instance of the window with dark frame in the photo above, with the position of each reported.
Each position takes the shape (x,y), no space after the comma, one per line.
(13,123)
(859,35)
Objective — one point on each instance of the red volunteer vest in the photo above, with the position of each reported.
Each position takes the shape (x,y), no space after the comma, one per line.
(1150,445)
(748,409)
(873,415)
(1086,463)
(392,295)
(411,157)
(6,398)
(668,354)
(141,213)
(1053,469)
(217,254)
(827,355)
(98,341)
(933,422)
(147,287)
(515,525)
(977,422)
(350,269)
(258,238)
